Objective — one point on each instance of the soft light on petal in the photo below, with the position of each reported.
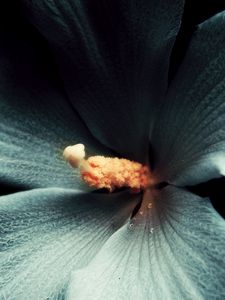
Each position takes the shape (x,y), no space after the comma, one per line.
(113,57)
(174,249)
(36,120)
(47,233)
(189,135)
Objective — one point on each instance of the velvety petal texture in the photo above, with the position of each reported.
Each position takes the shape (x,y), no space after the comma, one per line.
(189,136)
(47,233)
(36,120)
(113,57)
(174,248)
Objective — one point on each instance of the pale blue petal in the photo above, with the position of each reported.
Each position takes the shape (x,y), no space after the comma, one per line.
(36,120)
(174,250)
(47,233)
(189,136)
(113,57)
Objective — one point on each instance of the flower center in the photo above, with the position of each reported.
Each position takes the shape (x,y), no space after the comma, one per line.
(107,172)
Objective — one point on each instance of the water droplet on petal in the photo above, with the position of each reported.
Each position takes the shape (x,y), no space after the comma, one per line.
(131,225)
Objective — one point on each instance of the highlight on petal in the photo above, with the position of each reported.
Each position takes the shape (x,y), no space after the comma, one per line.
(48,233)
(113,57)
(189,135)
(174,249)
(36,120)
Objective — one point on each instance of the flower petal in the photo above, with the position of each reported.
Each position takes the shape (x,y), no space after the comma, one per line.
(113,57)
(36,119)
(174,250)
(189,136)
(47,233)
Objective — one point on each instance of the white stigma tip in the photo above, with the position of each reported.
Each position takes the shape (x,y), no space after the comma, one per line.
(74,154)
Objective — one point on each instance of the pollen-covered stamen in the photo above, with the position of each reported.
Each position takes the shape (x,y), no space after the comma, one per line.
(106,172)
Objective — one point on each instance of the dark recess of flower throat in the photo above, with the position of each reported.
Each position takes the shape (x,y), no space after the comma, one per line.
(195,12)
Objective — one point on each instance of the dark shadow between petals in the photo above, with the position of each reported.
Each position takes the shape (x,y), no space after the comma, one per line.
(195,12)
(213,189)
(7,188)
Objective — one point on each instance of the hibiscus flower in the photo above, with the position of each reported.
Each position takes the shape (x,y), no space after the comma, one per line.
(96,73)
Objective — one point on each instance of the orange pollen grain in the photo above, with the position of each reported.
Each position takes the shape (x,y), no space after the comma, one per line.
(110,173)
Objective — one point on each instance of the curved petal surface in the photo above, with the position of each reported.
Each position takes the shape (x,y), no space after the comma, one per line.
(113,57)
(189,135)
(174,250)
(47,233)
(36,120)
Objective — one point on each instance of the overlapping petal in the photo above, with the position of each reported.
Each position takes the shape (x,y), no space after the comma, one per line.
(174,250)
(47,233)
(113,57)
(189,135)
(36,120)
